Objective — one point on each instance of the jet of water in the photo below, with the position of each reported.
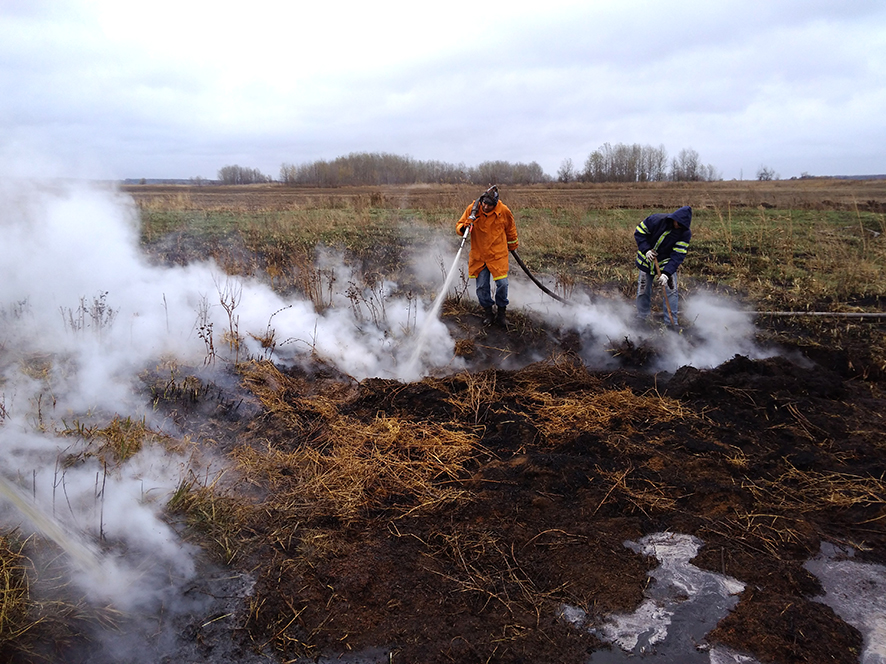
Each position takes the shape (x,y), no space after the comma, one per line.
(421,338)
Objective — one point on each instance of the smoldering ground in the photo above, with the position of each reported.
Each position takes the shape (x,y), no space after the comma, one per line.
(85,315)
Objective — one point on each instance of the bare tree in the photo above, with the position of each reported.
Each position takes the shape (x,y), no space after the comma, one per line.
(656,163)
(376,169)
(626,163)
(685,166)
(764,174)
(566,172)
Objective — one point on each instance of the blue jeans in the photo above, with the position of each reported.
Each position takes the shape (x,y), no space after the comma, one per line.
(645,284)
(484,291)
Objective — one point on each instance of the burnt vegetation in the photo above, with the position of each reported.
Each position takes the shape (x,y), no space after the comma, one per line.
(449,519)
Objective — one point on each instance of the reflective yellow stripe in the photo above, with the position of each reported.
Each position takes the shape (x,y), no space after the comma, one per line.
(660,238)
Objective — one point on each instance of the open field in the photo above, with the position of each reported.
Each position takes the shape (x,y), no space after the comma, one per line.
(806,194)
(783,244)
(451,518)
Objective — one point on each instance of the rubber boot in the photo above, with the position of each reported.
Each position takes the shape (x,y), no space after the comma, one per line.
(501,317)
(488,316)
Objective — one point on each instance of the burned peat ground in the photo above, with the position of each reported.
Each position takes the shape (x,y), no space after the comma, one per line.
(464,517)
(450,519)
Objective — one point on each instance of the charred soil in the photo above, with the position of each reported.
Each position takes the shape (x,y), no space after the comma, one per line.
(448,520)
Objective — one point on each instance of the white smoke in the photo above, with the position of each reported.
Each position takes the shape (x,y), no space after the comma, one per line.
(84,312)
(714,329)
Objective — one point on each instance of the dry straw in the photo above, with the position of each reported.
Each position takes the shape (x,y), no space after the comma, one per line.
(330,464)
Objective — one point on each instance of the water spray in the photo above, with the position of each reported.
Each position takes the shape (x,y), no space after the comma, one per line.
(80,554)
(435,309)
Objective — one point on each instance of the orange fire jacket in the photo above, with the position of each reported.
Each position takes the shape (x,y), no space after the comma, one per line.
(493,236)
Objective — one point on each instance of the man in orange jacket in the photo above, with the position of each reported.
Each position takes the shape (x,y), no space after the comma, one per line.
(493,235)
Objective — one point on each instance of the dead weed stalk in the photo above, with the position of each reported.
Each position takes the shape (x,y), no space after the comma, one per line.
(478,394)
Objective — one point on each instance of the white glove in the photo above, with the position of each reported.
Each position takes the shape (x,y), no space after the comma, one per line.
(651,255)
(662,279)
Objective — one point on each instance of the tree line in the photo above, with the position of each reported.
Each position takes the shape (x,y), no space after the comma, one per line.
(242,175)
(364,168)
(638,163)
(608,163)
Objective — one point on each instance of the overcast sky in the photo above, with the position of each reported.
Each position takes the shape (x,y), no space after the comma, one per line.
(180,88)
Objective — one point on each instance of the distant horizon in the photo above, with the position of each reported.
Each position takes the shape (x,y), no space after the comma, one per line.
(215,182)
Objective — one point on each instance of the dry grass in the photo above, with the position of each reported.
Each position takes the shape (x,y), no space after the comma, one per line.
(333,465)
(15,604)
(800,491)
(782,244)
(39,612)
(778,517)
(642,493)
(619,411)
(117,441)
(816,193)
(211,510)
(478,395)
(361,468)
(489,568)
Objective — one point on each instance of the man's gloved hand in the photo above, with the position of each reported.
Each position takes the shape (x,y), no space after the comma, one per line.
(662,279)
(461,228)
(651,255)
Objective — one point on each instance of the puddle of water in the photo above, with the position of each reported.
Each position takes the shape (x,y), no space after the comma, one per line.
(857,593)
(682,605)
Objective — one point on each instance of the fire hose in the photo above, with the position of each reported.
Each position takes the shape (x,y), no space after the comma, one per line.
(474,211)
(534,280)
(521,264)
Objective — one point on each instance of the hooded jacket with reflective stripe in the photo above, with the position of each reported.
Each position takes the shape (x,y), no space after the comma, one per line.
(671,244)
(493,236)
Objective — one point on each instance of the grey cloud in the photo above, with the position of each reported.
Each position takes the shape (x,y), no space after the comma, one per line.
(738,82)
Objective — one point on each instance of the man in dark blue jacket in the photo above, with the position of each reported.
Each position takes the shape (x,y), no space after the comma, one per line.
(662,243)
